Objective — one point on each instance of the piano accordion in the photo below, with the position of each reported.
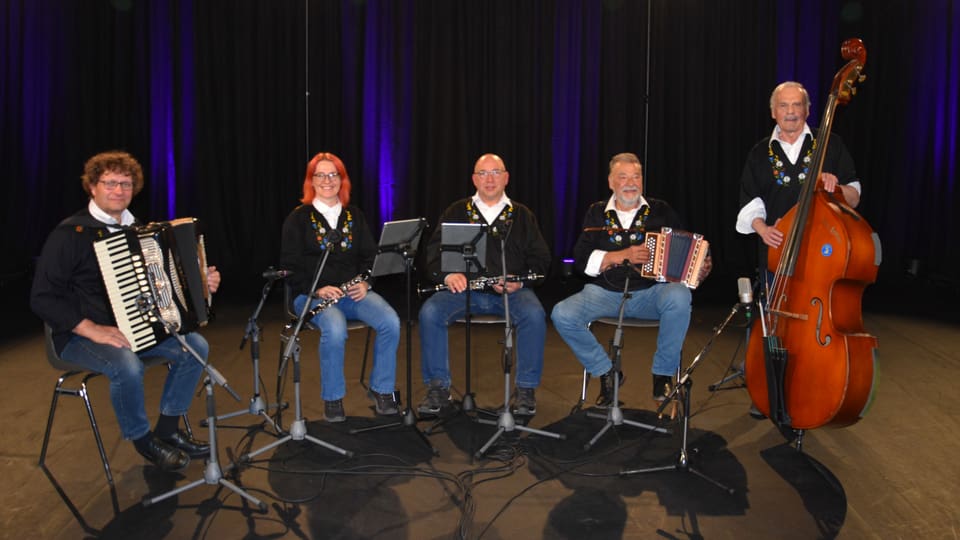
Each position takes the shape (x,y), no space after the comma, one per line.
(675,256)
(156,280)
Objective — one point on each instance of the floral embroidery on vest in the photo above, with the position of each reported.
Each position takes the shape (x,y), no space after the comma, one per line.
(346,242)
(617,234)
(777,164)
(501,225)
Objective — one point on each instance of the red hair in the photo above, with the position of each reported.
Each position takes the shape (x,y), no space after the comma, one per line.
(309,193)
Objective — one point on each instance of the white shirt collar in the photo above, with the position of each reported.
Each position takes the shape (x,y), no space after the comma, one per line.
(490,212)
(126,218)
(625,216)
(330,213)
(792,150)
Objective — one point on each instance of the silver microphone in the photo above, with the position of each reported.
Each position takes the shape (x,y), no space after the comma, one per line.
(745,289)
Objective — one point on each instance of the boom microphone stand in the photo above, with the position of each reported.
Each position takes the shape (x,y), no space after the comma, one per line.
(614,414)
(684,384)
(746,293)
(257,405)
(298,429)
(506,422)
(212,474)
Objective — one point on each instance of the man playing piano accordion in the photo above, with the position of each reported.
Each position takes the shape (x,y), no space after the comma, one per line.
(613,232)
(70,296)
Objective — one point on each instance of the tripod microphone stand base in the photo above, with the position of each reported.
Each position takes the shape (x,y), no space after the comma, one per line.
(257,408)
(505,424)
(614,417)
(683,462)
(212,474)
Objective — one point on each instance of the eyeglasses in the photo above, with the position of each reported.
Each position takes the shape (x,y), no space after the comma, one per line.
(491,172)
(112,185)
(333,176)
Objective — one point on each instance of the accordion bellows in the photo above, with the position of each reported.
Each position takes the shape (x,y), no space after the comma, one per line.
(675,256)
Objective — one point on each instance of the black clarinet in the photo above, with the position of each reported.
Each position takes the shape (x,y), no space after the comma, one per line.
(327,302)
(479,284)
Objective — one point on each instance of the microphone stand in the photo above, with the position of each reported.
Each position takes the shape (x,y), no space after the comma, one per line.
(682,391)
(409,417)
(252,331)
(506,422)
(614,414)
(298,429)
(212,474)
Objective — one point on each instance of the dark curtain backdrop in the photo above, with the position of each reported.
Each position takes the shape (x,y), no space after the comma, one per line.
(224,103)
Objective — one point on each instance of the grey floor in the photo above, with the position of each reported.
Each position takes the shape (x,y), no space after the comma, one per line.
(892,475)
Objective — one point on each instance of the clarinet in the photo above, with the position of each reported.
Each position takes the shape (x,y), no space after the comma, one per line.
(327,302)
(479,284)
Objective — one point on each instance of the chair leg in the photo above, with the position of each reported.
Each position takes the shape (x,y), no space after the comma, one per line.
(363,365)
(82,393)
(96,429)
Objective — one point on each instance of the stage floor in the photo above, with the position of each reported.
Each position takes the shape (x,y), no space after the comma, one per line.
(889,476)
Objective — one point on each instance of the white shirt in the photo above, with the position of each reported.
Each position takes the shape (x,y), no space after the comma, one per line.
(490,213)
(126,218)
(330,213)
(624,216)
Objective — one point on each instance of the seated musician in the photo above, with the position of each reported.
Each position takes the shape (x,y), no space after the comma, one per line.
(526,252)
(326,221)
(612,236)
(70,296)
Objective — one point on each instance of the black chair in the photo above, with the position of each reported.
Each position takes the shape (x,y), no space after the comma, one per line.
(69,371)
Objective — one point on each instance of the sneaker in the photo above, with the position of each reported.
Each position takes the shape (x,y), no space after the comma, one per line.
(383,404)
(437,398)
(526,402)
(605,399)
(333,411)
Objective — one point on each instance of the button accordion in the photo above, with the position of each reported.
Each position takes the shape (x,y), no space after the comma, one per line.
(156,280)
(675,256)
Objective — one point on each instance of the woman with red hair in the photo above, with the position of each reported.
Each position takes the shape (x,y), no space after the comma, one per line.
(327,222)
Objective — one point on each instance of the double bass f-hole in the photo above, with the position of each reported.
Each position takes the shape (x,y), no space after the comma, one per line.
(819,303)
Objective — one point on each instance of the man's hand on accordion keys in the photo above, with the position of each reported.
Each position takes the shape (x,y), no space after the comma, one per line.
(637,255)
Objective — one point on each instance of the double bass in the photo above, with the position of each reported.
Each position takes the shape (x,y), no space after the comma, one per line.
(809,361)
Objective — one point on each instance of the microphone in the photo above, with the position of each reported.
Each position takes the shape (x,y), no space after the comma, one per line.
(745,289)
(272,274)
(333,237)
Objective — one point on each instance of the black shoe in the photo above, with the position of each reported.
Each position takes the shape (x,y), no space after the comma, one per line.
(525,403)
(188,444)
(755,413)
(605,399)
(437,398)
(166,457)
(333,411)
(383,404)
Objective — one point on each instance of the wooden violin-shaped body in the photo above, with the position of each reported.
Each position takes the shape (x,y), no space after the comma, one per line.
(810,362)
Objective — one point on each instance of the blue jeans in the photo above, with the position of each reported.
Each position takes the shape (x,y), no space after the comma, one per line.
(124,368)
(444,307)
(332,322)
(667,302)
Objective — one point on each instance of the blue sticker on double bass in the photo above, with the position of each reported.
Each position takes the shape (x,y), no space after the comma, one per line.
(826,250)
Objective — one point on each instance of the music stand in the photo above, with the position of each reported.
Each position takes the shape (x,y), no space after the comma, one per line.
(398,248)
(463,249)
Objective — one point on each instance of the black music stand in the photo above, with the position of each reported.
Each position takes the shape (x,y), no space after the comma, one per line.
(399,241)
(463,249)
